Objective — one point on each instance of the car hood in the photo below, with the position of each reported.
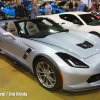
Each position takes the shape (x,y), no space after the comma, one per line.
(50,2)
(62,3)
(26,3)
(74,43)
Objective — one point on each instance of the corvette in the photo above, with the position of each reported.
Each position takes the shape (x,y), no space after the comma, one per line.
(55,7)
(58,57)
(82,21)
(10,10)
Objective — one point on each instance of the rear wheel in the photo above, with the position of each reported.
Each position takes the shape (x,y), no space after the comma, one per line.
(47,74)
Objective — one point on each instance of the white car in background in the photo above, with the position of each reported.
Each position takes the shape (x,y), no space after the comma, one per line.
(82,21)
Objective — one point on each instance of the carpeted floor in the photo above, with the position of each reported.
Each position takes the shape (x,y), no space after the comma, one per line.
(14,79)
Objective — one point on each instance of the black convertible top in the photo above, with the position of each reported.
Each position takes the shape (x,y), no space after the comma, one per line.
(3,21)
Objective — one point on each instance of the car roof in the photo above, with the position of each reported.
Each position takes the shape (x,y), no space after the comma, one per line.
(76,13)
(73,13)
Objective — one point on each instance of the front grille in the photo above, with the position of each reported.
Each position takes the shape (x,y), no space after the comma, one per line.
(94,78)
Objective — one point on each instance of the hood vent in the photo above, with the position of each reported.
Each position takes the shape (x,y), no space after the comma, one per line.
(85,45)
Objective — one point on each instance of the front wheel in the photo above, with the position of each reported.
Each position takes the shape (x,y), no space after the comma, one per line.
(47,74)
(57,11)
(40,13)
(53,12)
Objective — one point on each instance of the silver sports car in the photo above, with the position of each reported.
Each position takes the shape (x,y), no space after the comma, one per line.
(58,57)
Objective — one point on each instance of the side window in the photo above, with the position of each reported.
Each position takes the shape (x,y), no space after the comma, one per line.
(5,27)
(69,17)
(9,7)
(47,22)
(22,26)
(14,7)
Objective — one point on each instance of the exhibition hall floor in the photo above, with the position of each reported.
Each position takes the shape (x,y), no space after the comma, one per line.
(15,79)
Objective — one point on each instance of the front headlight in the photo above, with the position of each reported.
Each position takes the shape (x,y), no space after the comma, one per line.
(72,61)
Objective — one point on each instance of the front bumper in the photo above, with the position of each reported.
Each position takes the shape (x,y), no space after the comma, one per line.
(80,90)
(81,79)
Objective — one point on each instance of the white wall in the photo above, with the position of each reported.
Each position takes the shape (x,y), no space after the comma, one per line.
(86,2)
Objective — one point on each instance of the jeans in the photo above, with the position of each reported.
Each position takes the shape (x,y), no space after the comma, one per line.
(33,15)
(70,9)
(75,8)
(46,13)
(96,10)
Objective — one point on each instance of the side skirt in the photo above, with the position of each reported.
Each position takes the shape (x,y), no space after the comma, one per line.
(18,63)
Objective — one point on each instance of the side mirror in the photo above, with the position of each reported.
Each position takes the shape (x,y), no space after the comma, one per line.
(7,34)
(76,22)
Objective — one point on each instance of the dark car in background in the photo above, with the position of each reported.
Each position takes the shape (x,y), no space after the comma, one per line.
(56,8)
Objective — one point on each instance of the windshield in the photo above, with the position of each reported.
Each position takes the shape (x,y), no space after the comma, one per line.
(55,6)
(14,7)
(40,28)
(9,7)
(90,19)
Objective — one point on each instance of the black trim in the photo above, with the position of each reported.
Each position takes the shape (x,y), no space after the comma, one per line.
(95,33)
(85,45)
(18,62)
(27,53)
(81,90)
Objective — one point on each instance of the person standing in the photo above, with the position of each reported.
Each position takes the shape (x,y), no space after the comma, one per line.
(34,10)
(70,6)
(76,5)
(20,10)
(97,6)
(81,6)
(48,8)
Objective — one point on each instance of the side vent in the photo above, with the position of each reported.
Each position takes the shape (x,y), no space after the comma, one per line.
(85,45)
(27,53)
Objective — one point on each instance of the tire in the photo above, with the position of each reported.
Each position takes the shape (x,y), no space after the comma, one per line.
(57,11)
(53,12)
(40,13)
(47,74)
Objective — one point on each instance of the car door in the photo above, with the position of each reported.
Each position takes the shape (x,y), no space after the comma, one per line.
(11,46)
(13,10)
(70,22)
(10,11)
